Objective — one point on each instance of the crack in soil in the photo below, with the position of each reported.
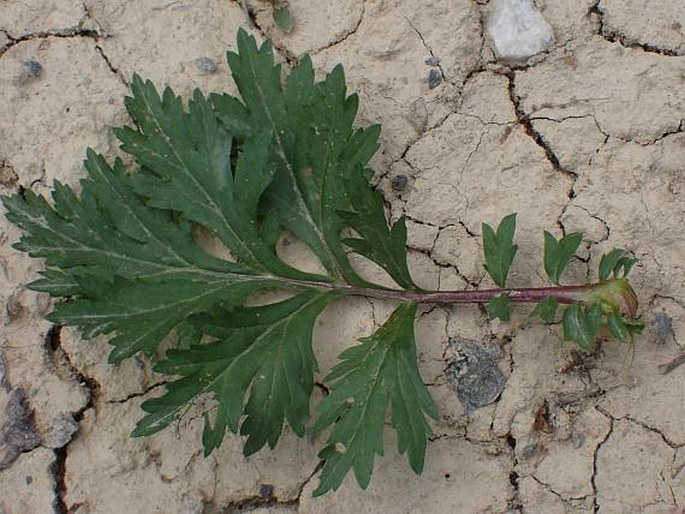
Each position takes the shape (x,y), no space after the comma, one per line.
(429,253)
(445,265)
(668,486)
(595,456)
(671,444)
(71,32)
(514,502)
(345,35)
(526,122)
(141,393)
(549,488)
(109,64)
(257,502)
(428,48)
(53,345)
(265,500)
(79,31)
(613,35)
(646,142)
(290,57)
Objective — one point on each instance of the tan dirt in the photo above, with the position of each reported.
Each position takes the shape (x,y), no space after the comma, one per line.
(585,137)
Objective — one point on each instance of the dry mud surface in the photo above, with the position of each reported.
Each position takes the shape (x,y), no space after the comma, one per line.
(585,137)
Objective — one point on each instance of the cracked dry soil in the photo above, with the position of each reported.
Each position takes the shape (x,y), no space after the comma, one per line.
(585,137)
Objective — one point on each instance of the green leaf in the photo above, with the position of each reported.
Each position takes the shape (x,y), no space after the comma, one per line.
(385,245)
(581,325)
(546,309)
(559,253)
(378,373)
(264,350)
(499,248)
(500,307)
(618,328)
(125,268)
(186,167)
(284,19)
(314,144)
(615,262)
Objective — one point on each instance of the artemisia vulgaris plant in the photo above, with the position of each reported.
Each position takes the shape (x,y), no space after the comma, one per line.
(122,259)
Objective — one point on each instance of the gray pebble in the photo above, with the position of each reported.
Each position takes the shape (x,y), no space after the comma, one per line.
(664,326)
(418,115)
(529,450)
(33,68)
(399,182)
(474,375)
(18,432)
(206,65)
(432,60)
(61,432)
(266,491)
(434,78)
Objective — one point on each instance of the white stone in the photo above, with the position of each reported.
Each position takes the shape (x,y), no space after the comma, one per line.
(517,30)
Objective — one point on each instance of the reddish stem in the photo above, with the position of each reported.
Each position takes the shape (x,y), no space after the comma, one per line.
(563,294)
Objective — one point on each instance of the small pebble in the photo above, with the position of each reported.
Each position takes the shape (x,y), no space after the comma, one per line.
(266,491)
(206,65)
(664,327)
(17,432)
(61,432)
(33,69)
(434,78)
(432,61)
(529,450)
(474,374)
(418,115)
(399,182)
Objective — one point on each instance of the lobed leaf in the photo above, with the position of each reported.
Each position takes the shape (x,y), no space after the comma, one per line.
(379,372)
(125,268)
(314,143)
(616,263)
(124,261)
(265,350)
(559,253)
(499,248)
(385,245)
